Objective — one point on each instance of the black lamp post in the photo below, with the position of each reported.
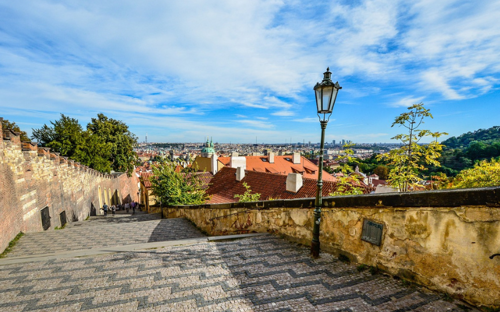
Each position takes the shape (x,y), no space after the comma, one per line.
(138,199)
(326,94)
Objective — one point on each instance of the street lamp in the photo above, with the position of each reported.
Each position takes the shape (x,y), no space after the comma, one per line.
(326,94)
(138,199)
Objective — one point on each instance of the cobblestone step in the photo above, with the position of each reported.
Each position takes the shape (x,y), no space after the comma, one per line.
(105,231)
(119,217)
(262,273)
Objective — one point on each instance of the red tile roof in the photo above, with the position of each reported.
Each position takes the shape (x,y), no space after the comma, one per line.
(378,182)
(282,166)
(205,178)
(145,176)
(224,186)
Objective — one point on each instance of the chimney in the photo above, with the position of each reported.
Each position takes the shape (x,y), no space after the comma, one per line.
(240,173)
(293,182)
(214,163)
(296,158)
(236,162)
(271,158)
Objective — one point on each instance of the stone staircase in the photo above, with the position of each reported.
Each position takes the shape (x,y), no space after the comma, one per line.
(113,230)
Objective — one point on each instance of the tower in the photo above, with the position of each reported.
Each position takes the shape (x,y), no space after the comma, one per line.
(208,150)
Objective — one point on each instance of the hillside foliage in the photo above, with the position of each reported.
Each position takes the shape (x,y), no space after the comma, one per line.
(464,151)
(486,136)
(484,173)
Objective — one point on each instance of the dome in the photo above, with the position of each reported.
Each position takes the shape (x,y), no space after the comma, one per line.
(208,150)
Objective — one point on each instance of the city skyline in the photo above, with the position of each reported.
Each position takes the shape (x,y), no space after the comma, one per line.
(239,70)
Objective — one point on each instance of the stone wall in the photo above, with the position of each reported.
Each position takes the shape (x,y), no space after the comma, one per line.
(441,239)
(32,178)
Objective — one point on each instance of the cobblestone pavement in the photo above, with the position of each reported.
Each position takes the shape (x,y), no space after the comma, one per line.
(105,232)
(119,217)
(262,273)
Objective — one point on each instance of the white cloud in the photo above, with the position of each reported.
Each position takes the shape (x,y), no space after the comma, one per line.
(283,113)
(408,101)
(179,59)
(256,123)
(307,119)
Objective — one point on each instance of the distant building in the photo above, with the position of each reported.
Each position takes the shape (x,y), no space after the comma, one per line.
(282,165)
(208,160)
(208,149)
(229,182)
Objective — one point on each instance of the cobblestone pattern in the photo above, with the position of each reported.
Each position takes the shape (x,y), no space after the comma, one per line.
(104,232)
(253,274)
(118,218)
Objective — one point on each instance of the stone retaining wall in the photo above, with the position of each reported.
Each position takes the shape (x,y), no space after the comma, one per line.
(441,239)
(33,178)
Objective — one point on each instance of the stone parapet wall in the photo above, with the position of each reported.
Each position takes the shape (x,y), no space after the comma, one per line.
(33,178)
(441,239)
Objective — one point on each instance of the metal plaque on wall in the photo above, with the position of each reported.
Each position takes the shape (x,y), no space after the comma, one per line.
(372,232)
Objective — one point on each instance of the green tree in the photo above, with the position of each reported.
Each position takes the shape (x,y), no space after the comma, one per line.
(106,145)
(483,174)
(65,136)
(409,159)
(116,133)
(12,125)
(382,172)
(247,196)
(94,152)
(176,188)
(347,184)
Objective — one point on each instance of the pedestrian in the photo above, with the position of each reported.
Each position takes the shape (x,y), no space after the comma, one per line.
(105,208)
(127,207)
(133,207)
(113,209)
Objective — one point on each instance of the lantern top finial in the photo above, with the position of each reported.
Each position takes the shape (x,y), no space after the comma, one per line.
(327,75)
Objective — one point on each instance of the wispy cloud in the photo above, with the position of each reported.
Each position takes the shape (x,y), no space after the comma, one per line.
(407,101)
(257,123)
(306,119)
(252,59)
(283,113)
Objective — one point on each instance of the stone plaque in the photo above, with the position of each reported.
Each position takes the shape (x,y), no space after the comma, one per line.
(372,232)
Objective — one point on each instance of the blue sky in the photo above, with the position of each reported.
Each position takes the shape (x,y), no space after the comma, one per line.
(241,70)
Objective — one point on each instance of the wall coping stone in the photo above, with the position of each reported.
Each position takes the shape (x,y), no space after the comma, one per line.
(489,196)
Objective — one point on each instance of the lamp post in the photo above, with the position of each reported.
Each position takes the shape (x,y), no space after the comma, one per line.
(138,199)
(326,94)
